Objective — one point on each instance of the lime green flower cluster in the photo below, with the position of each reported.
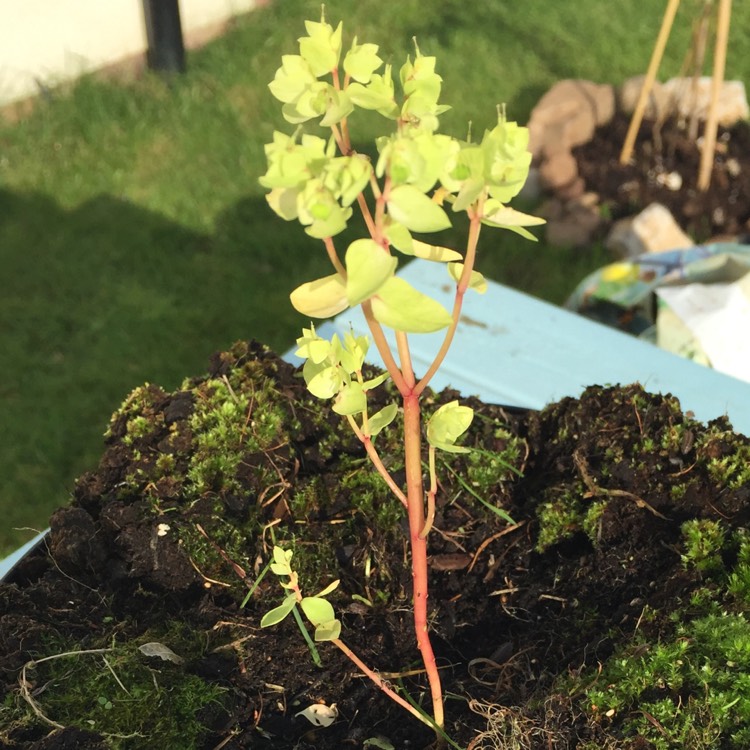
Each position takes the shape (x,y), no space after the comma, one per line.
(310,181)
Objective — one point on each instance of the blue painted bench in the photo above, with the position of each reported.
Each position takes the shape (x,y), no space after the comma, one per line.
(515,350)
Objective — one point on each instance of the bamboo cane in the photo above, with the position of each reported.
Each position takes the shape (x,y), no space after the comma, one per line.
(700,38)
(712,123)
(653,67)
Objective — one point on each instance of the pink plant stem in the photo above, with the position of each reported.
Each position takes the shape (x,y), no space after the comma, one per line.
(378,680)
(463,284)
(383,349)
(404,356)
(333,256)
(377,461)
(415,508)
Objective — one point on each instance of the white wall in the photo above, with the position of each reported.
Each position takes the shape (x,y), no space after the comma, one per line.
(55,40)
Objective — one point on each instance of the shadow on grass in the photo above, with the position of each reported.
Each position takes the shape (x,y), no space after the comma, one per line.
(98,299)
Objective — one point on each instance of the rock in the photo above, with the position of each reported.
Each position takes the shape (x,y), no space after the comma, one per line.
(573,190)
(685,100)
(557,170)
(651,231)
(658,99)
(567,115)
(576,227)
(589,200)
(677,97)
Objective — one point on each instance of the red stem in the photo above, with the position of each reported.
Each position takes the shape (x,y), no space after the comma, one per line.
(377,461)
(333,256)
(378,680)
(415,497)
(461,287)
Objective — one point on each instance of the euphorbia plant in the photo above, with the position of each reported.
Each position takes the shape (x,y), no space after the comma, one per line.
(417,175)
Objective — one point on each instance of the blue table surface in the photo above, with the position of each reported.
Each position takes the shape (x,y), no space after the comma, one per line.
(515,350)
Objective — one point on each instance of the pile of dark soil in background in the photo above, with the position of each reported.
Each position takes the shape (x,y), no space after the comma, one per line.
(664,154)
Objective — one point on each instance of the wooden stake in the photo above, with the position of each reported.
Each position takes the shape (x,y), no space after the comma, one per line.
(700,37)
(653,67)
(712,123)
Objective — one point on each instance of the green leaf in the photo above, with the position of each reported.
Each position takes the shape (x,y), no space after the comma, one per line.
(519,230)
(361,61)
(329,588)
(321,298)
(434,252)
(420,77)
(283,202)
(309,104)
(504,217)
(328,631)
(506,158)
(322,47)
(477,282)
(282,556)
(495,213)
(412,208)
(353,352)
(323,380)
(379,742)
(447,424)
(400,158)
(400,306)
(376,95)
(368,267)
(311,346)
(382,419)
(291,79)
(399,236)
(368,385)
(279,613)
(319,210)
(317,609)
(347,176)
(338,108)
(437,151)
(351,400)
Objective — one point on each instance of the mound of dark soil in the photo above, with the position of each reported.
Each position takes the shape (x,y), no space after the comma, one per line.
(665,156)
(155,545)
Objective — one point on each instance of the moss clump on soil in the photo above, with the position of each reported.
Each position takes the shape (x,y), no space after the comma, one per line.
(687,686)
(126,696)
(222,444)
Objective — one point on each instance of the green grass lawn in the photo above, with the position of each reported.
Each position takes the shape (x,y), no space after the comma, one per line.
(135,239)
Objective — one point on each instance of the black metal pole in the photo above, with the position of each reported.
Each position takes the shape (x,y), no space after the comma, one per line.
(166,49)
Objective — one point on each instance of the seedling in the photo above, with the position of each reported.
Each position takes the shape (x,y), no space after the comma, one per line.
(418,174)
(319,612)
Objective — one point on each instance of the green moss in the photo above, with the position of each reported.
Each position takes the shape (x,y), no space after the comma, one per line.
(726,456)
(690,688)
(138,410)
(678,491)
(703,542)
(559,519)
(688,691)
(592,520)
(370,495)
(486,469)
(128,697)
(738,583)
